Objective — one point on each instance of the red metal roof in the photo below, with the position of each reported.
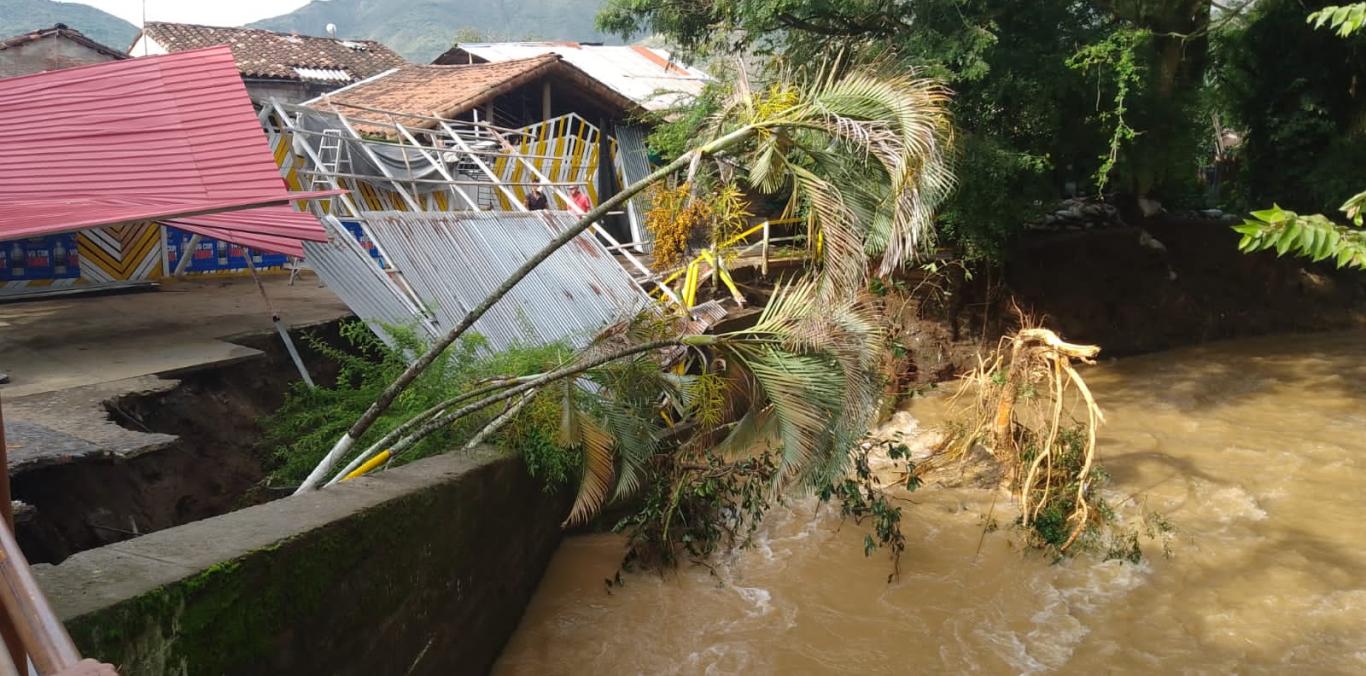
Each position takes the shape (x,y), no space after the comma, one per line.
(152,138)
(276,229)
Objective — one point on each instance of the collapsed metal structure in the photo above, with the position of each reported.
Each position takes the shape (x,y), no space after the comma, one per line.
(433,217)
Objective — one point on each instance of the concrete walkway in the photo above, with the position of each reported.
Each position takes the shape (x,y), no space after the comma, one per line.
(65,357)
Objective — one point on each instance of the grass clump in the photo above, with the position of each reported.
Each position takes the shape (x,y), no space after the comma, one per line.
(311,419)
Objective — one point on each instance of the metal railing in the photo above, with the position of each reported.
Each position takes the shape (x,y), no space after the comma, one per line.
(715,257)
(446,142)
(35,640)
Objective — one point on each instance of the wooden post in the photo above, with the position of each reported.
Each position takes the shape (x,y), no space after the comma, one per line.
(545,100)
(763,264)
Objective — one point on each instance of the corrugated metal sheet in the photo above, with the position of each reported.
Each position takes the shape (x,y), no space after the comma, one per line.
(322,74)
(276,229)
(645,75)
(352,274)
(633,158)
(134,140)
(454,260)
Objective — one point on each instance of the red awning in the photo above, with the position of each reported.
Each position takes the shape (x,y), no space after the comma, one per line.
(275,229)
(153,138)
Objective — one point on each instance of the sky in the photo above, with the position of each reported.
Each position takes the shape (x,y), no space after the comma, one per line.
(210,12)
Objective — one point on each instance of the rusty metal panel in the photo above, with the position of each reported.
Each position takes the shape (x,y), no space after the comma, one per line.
(649,76)
(633,160)
(454,260)
(352,274)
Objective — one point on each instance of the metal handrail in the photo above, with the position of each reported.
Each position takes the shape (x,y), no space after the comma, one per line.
(31,630)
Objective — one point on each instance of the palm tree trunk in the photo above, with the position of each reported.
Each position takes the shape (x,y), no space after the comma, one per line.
(540,381)
(416,420)
(386,398)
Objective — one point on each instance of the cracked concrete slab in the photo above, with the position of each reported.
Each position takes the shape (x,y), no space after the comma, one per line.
(67,358)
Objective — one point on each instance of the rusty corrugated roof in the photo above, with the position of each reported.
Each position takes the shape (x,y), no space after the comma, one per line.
(454,260)
(143,139)
(268,54)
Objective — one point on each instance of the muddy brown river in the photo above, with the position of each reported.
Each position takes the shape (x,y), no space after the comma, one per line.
(1255,450)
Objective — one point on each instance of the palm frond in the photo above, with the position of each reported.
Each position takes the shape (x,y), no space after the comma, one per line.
(805,394)
(867,156)
(756,427)
(598,469)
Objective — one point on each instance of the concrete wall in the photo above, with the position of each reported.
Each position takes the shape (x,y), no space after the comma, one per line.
(424,569)
(49,53)
(262,91)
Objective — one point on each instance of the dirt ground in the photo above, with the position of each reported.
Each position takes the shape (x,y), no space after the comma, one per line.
(67,357)
(138,411)
(56,344)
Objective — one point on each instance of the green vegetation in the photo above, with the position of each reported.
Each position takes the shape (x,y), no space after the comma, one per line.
(1065,97)
(311,418)
(1027,79)
(862,496)
(1312,160)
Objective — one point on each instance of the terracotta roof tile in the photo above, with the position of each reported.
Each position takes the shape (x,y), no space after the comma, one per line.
(441,91)
(447,91)
(61,30)
(267,54)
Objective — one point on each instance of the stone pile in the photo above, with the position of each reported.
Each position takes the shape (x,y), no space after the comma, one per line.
(1079,214)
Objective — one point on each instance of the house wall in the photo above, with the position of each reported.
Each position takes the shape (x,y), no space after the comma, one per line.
(50,53)
(287,91)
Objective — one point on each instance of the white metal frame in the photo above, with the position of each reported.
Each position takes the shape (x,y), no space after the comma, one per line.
(448,138)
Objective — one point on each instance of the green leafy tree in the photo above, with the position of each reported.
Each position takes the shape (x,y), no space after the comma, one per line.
(1033,119)
(1316,236)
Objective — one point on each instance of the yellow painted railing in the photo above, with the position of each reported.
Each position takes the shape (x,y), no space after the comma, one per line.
(693,274)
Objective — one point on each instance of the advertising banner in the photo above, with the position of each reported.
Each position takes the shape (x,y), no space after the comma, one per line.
(211,255)
(50,257)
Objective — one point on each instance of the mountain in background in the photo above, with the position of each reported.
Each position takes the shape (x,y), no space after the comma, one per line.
(421,30)
(23,16)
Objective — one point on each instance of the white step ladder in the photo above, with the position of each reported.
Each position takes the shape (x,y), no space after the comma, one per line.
(335,157)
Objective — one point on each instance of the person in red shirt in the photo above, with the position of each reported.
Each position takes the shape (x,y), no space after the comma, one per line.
(580,199)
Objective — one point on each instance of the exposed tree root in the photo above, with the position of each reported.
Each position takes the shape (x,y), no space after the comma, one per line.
(1020,404)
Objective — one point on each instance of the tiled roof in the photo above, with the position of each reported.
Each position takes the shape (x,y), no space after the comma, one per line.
(267,54)
(61,30)
(447,91)
(649,76)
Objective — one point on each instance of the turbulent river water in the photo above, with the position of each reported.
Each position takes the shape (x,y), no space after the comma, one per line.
(1255,450)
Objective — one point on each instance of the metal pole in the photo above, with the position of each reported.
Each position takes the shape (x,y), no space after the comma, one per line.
(185,254)
(497,182)
(647,273)
(275,319)
(436,164)
(27,613)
